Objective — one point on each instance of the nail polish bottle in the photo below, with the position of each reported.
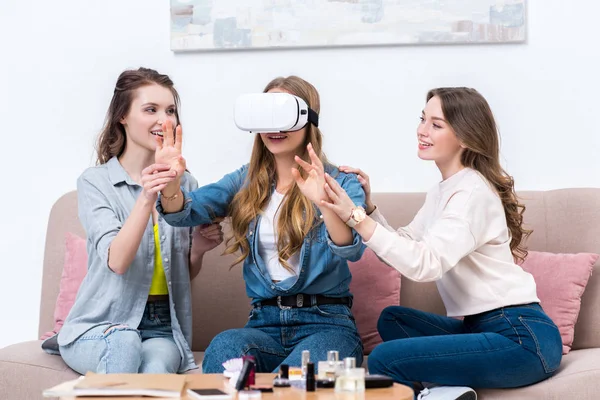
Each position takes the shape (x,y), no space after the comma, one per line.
(248,370)
(252,375)
(283,380)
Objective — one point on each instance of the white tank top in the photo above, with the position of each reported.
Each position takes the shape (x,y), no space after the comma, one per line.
(267,242)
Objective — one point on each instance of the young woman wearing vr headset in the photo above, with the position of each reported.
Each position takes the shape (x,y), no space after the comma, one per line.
(294,251)
(466,238)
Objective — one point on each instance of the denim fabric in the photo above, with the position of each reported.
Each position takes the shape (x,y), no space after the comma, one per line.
(275,335)
(106,195)
(504,348)
(114,348)
(323,265)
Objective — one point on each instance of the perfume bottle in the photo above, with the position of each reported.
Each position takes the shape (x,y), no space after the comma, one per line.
(305,361)
(330,369)
(351,379)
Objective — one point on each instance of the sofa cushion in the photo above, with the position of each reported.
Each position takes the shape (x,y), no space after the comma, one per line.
(31,353)
(74,270)
(375,286)
(561,280)
(25,370)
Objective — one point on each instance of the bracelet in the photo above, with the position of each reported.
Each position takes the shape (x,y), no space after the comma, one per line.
(169,198)
(350,217)
(374,208)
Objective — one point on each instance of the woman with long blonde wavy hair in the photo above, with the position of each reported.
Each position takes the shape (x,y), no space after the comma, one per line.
(294,252)
(468,238)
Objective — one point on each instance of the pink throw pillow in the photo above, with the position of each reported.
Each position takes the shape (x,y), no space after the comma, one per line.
(74,271)
(375,285)
(561,280)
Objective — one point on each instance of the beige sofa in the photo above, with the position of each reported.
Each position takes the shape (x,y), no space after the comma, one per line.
(563,220)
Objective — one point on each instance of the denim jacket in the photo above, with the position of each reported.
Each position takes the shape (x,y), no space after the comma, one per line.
(106,195)
(323,265)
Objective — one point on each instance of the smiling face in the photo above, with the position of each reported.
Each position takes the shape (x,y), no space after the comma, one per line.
(152,106)
(436,139)
(284,143)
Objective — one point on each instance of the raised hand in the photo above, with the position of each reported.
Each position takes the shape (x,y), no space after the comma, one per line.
(364,180)
(168,148)
(313,186)
(155,178)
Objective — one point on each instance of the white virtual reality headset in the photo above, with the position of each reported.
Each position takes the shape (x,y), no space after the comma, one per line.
(272,112)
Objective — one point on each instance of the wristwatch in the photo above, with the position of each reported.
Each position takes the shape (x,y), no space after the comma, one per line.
(357,215)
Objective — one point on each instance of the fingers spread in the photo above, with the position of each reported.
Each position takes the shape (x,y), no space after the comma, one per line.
(159,143)
(168,133)
(178,138)
(306,166)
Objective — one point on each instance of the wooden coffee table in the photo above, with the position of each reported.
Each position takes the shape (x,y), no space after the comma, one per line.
(217,381)
(396,392)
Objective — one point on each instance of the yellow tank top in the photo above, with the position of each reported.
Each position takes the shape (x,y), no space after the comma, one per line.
(159,280)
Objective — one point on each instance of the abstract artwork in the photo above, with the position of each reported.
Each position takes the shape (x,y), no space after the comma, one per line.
(259,24)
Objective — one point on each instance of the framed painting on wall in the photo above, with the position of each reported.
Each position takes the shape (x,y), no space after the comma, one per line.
(260,24)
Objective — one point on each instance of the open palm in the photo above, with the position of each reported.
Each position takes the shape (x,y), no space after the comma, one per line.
(168,149)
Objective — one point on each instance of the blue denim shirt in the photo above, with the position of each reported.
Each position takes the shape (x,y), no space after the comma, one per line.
(106,195)
(323,265)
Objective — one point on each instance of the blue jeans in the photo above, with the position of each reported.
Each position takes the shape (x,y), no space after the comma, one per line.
(503,348)
(275,336)
(112,348)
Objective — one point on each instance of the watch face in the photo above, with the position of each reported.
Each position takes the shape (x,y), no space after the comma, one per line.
(359,214)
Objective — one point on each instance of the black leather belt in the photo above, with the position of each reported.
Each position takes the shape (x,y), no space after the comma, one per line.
(304,300)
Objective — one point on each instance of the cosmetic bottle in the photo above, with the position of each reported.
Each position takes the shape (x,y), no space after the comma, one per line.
(351,379)
(330,369)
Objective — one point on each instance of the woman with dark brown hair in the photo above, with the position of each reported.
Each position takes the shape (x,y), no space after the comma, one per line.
(467,238)
(133,311)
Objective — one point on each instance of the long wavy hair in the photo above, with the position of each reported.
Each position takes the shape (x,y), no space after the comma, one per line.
(297,214)
(112,138)
(471,119)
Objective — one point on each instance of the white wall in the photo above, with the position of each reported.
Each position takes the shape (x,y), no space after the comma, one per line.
(60,60)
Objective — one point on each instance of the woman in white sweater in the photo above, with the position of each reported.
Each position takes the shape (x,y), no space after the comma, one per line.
(466,238)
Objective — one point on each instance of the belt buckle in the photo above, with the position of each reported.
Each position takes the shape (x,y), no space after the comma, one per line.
(300,300)
(282,307)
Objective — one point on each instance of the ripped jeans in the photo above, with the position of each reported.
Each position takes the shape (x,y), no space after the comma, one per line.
(121,349)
